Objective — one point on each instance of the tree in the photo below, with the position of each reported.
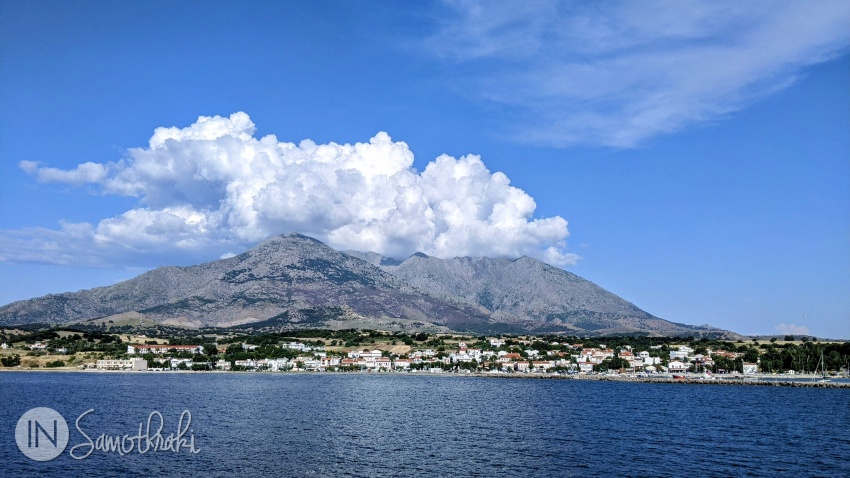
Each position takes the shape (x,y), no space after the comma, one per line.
(614,363)
(11,361)
(722,363)
(210,349)
(751,355)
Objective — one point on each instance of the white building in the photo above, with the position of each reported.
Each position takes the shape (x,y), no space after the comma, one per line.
(222,365)
(138,349)
(129,364)
(249,363)
(677,366)
(276,365)
(543,365)
(594,355)
(175,362)
(652,360)
(366,354)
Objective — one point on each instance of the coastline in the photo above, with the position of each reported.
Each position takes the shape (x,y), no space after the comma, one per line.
(756,380)
(734,380)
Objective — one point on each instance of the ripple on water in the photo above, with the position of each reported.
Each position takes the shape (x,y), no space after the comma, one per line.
(406,425)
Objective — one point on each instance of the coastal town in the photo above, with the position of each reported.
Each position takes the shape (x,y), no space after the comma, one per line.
(499,357)
(394,352)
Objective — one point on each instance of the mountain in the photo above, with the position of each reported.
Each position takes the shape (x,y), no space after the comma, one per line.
(291,279)
(529,294)
(296,281)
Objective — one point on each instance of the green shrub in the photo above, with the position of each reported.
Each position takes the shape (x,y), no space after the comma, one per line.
(11,361)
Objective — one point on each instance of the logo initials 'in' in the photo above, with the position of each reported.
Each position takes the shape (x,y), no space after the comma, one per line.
(41,434)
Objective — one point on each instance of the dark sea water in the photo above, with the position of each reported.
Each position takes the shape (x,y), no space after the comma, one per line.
(264,424)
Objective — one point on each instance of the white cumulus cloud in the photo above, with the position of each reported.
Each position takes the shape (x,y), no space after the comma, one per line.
(616,73)
(213,185)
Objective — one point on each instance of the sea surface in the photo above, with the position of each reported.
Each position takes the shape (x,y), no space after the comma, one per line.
(363,425)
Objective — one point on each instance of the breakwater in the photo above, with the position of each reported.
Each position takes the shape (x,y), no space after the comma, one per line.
(737,380)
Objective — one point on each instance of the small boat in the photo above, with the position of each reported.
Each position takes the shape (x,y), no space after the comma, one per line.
(822,365)
(679,377)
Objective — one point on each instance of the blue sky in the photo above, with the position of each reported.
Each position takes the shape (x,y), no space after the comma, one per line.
(693,158)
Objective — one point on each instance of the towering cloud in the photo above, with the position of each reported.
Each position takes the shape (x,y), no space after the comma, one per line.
(213,187)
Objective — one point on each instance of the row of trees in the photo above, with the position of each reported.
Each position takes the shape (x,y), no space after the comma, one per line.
(805,357)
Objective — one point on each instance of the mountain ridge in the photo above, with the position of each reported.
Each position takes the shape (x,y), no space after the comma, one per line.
(292,281)
(530,293)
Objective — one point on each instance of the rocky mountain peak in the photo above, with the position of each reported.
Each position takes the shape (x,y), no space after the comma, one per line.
(293,280)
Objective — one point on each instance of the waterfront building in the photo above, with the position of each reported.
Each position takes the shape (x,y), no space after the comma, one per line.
(129,364)
(139,349)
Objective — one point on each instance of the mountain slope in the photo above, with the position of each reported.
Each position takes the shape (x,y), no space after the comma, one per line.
(531,295)
(296,281)
(282,277)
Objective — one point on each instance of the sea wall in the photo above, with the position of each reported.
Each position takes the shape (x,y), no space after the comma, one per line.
(737,380)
